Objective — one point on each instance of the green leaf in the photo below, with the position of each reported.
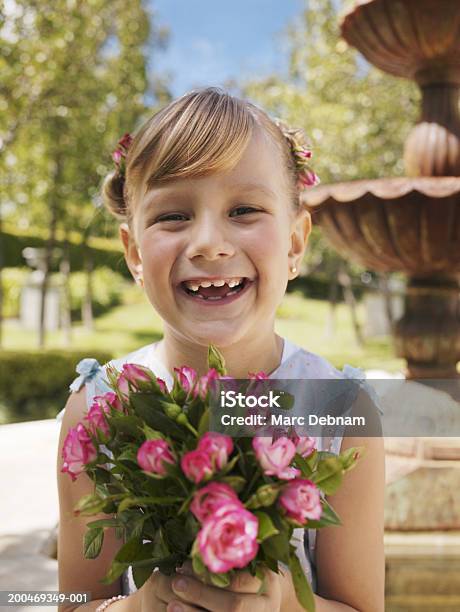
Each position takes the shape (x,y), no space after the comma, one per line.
(264,496)
(302,587)
(203,425)
(130,551)
(116,569)
(92,542)
(128,425)
(89,504)
(303,465)
(329,475)
(142,573)
(220,580)
(149,410)
(230,465)
(105,523)
(266,527)
(236,482)
(152,434)
(277,547)
(351,456)
(286,400)
(147,501)
(328,517)
(216,359)
(198,565)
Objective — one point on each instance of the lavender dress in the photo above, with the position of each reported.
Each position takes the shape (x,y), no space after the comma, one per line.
(296,363)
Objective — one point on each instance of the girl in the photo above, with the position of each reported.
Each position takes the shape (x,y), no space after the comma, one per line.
(213,229)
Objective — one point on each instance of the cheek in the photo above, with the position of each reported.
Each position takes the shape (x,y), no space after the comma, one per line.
(159,252)
(269,248)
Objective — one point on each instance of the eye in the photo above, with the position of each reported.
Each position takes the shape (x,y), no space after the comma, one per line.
(170,217)
(243,210)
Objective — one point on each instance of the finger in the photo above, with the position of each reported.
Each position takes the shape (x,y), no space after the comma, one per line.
(212,598)
(186,568)
(244,582)
(180,606)
(162,587)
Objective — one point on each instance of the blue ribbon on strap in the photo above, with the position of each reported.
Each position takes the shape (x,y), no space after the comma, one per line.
(88,369)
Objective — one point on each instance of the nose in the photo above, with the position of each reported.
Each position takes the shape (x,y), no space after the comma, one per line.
(208,239)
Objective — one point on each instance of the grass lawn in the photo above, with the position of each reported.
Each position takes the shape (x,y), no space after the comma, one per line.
(304,321)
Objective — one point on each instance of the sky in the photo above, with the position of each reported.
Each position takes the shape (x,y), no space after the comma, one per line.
(211,41)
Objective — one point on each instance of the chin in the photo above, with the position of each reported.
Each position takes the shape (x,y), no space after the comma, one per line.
(219,336)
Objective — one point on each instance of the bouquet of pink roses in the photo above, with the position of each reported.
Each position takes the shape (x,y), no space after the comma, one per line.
(178,491)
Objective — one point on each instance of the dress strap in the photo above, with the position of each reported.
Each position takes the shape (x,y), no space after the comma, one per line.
(92,375)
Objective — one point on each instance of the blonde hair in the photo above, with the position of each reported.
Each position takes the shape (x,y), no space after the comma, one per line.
(202,132)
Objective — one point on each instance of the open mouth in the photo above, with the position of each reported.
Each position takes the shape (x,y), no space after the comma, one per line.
(215,291)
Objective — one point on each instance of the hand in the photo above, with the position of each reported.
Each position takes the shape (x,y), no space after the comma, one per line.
(241,596)
(156,595)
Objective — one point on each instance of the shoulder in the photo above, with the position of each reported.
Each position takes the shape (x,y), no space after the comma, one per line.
(141,356)
(301,363)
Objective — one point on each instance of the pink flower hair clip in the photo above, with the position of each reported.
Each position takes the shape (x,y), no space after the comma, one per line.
(306,177)
(301,154)
(119,155)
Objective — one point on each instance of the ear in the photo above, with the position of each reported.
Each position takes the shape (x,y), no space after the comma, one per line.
(300,231)
(132,255)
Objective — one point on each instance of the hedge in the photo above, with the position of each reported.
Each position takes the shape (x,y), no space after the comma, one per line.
(13,244)
(36,385)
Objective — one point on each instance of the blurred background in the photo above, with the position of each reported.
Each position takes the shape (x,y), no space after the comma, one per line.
(74,77)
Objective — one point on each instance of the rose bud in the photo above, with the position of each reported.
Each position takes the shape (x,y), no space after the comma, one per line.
(153,455)
(196,465)
(107,401)
(228,539)
(300,500)
(275,457)
(78,451)
(210,497)
(187,377)
(96,418)
(217,446)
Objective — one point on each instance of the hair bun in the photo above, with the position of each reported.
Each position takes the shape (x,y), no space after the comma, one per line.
(113,195)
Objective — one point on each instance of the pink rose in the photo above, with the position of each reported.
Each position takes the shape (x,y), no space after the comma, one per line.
(153,455)
(217,446)
(207,499)
(96,418)
(136,374)
(196,465)
(228,539)
(187,377)
(205,382)
(258,376)
(77,451)
(161,383)
(300,501)
(305,445)
(107,401)
(275,457)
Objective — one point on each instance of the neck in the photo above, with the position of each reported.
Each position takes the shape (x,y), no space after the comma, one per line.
(262,353)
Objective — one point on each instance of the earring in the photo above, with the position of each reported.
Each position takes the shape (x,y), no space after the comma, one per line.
(140,281)
(293,269)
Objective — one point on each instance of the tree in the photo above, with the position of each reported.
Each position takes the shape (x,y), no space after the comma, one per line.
(87,64)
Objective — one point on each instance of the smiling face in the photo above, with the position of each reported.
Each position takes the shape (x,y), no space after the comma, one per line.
(237,226)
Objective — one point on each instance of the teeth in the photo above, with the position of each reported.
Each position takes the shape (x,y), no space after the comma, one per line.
(194,285)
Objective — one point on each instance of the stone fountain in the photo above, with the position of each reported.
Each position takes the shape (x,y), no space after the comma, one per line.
(412,225)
